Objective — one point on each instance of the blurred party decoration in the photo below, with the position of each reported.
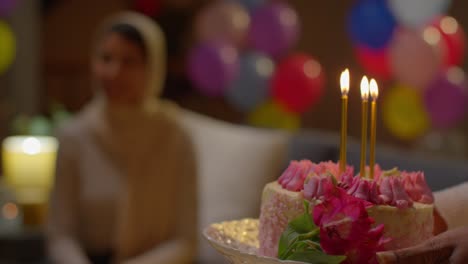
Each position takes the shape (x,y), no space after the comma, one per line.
(273,115)
(212,66)
(251,5)
(298,82)
(374,62)
(274,29)
(251,86)
(417,13)
(446,98)
(404,114)
(371,24)
(7,6)
(453,40)
(148,7)
(223,21)
(7,47)
(412,59)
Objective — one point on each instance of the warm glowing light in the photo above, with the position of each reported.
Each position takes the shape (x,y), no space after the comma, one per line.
(241,20)
(365,88)
(312,69)
(431,35)
(455,75)
(31,146)
(288,18)
(344,82)
(264,67)
(10,211)
(374,89)
(449,25)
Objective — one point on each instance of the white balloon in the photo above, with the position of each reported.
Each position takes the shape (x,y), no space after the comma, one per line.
(417,13)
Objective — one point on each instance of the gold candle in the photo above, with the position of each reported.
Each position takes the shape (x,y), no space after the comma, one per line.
(365,109)
(344,84)
(374,93)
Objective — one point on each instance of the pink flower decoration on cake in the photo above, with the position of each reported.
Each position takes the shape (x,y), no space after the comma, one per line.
(416,186)
(392,192)
(346,228)
(333,168)
(314,186)
(294,176)
(365,190)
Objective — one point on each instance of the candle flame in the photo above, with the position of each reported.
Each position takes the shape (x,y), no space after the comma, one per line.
(374,89)
(365,88)
(344,82)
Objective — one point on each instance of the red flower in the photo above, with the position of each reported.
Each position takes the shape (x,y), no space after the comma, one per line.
(346,228)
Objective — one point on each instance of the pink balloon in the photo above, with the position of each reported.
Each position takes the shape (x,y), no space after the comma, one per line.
(413,60)
(227,21)
(374,62)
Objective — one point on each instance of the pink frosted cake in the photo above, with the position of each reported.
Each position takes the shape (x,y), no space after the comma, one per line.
(401,201)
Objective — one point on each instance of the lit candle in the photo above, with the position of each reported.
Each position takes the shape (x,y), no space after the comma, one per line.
(365,109)
(28,167)
(374,93)
(344,84)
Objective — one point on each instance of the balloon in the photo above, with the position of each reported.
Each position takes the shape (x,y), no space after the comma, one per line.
(223,20)
(446,98)
(404,114)
(252,4)
(6,6)
(298,82)
(413,61)
(148,7)
(274,29)
(250,88)
(416,13)
(452,41)
(374,62)
(273,115)
(7,47)
(212,67)
(371,24)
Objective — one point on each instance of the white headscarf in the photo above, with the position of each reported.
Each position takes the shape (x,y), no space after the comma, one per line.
(131,136)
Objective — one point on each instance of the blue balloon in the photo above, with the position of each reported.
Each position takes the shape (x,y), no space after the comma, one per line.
(251,4)
(371,23)
(251,86)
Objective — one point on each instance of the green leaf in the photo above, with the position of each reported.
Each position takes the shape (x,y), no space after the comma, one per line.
(316,257)
(300,229)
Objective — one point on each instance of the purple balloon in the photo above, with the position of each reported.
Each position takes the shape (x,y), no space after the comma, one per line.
(212,66)
(446,99)
(6,6)
(274,29)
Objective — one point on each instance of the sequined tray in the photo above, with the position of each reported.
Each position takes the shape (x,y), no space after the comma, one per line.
(237,241)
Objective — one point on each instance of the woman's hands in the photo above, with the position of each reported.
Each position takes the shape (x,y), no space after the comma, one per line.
(448,247)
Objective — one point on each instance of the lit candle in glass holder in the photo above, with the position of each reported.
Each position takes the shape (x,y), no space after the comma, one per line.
(28,167)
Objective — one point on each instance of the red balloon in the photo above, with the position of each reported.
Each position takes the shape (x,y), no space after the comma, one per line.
(452,41)
(374,62)
(298,82)
(148,7)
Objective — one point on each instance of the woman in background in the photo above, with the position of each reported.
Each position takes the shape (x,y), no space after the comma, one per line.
(125,189)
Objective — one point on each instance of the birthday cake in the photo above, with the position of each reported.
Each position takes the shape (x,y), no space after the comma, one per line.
(393,209)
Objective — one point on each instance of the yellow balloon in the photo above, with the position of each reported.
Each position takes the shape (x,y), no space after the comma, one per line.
(273,115)
(404,113)
(7,46)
